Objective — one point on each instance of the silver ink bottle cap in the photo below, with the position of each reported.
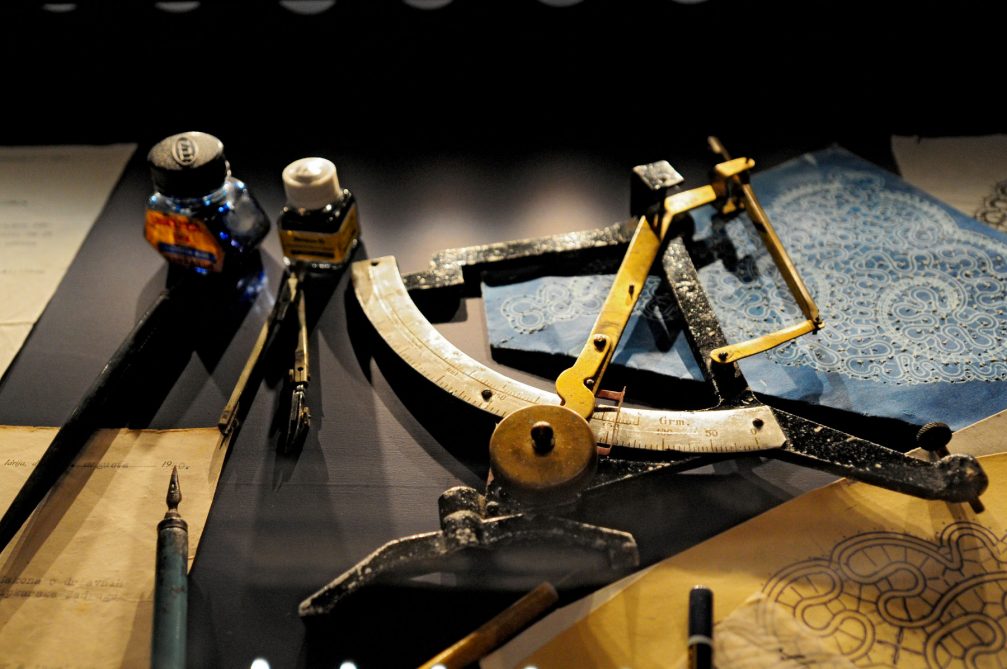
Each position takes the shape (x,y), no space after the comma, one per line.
(311,183)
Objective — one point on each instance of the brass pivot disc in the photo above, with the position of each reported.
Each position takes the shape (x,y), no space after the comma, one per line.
(543,454)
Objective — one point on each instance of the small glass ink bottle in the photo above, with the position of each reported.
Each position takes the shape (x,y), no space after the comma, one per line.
(318,226)
(199,215)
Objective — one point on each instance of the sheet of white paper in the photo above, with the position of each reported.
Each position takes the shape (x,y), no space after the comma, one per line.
(962,171)
(49,198)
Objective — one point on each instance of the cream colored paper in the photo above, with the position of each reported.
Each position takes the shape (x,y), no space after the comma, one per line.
(962,171)
(76,584)
(761,635)
(985,437)
(887,540)
(49,198)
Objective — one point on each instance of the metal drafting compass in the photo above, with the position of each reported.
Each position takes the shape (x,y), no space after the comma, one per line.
(300,415)
(549,449)
(291,296)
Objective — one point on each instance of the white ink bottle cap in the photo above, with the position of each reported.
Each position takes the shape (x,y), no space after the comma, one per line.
(311,183)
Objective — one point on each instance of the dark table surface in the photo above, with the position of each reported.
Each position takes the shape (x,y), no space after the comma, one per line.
(438,155)
(380,451)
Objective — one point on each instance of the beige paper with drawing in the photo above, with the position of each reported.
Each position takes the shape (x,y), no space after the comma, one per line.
(825,560)
(76,584)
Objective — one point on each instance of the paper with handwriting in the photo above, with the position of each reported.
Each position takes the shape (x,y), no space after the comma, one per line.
(77,583)
(50,197)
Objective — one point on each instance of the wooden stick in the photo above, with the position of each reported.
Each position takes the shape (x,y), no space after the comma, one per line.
(501,627)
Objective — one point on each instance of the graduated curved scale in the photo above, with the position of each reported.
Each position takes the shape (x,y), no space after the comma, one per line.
(386,302)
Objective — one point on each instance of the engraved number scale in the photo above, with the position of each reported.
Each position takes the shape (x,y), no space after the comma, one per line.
(384,298)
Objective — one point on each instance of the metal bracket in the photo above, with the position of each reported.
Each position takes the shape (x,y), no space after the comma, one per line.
(465,526)
(742,197)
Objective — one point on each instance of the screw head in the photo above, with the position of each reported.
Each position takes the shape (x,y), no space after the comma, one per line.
(542,436)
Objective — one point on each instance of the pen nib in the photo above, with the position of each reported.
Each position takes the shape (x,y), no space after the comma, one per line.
(174,497)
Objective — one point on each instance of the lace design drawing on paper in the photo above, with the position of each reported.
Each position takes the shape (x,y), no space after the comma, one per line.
(908,296)
(993,211)
(569,298)
(887,599)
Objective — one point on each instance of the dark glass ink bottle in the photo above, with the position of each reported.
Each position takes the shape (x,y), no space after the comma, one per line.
(199,215)
(318,227)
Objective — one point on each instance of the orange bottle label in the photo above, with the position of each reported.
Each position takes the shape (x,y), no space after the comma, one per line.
(184,240)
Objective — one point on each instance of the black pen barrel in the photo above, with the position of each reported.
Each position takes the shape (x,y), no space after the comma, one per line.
(700,642)
(86,416)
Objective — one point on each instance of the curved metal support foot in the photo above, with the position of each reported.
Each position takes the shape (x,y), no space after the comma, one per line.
(464,526)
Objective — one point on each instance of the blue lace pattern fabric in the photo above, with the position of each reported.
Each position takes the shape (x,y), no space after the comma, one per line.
(911,291)
(553,315)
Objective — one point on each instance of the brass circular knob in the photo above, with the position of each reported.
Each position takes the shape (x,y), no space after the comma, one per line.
(543,454)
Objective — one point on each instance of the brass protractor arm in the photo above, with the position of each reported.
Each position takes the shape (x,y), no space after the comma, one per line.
(578,385)
(813,323)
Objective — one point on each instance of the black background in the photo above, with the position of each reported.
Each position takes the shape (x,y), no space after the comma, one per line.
(384,76)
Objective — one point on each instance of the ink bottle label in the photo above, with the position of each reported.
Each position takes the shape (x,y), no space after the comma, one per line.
(200,216)
(305,246)
(183,240)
